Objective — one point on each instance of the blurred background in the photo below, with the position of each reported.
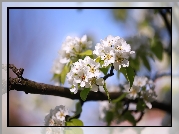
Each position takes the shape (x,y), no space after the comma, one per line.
(36,35)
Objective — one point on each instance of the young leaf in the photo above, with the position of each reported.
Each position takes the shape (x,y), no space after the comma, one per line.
(119,98)
(63,74)
(78,110)
(105,69)
(109,117)
(107,93)
(98,59)
(129,74)
(84,93)
(87,52)
(157,48)
(141,105)
(135,63)
(128,116)
(101,62)
(146,62)
(74,122)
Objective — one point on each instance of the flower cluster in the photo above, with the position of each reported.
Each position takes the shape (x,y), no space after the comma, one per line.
(114,50)
(71,47)
(143,88)
(56,117)
(85,74)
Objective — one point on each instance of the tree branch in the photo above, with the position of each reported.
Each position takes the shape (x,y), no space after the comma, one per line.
(29,86)
(164,16)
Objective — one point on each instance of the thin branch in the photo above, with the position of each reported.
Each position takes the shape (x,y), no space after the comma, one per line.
(109,74)
(18,72)
(140,117)
(164,16)
(161,75)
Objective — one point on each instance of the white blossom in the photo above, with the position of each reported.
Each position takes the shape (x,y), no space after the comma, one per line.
(114,50)
(140,81)
(148,96)
(62,113)
(57,67)
(121,60)
(85,74)
(142,88)
(132,92)
(56,117)
(72,46)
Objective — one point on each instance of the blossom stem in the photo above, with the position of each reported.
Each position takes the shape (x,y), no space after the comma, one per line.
(109,74)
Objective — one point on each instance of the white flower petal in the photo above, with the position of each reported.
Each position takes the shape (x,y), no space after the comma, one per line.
(94,88)
(149,105)
(100,81)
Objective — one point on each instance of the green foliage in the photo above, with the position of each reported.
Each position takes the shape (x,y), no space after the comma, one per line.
(129,74)
(84,93)
(146,62)
(78,108)
(128,116)
(135,63)
(101,62)
(74,122)
(87,52)
(109,117)
(157,48)
(78,111)
(98,59)
(61,77)
(105,69)
(119,98)
(107,93)
(141,105)
(63,74)
(120,14)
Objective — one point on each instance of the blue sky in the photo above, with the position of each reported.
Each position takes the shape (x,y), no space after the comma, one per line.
(36,35)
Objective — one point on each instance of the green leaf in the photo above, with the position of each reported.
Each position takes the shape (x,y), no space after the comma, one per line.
(129,74)
(105,69)
(74,122)
(55,76)
(84,93)
(128,116)
(141,105)
(135,63)
(98,59)
(78,110)
(87,52)
(157,48)
(101,62)
(63,74)
(73,130)
(109,117)
(146,62)
(107,93)
(119,98)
